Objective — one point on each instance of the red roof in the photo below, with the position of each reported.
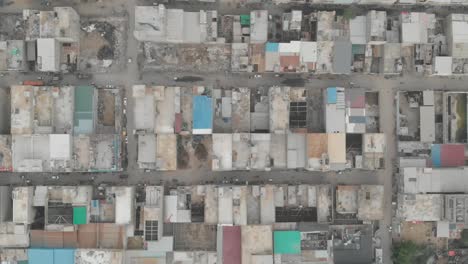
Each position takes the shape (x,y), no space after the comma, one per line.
(359,102)
(53,239)
(178,123)
(232,245)
(289,61)
(452,155)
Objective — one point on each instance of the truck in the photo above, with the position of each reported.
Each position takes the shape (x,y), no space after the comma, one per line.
(34,82)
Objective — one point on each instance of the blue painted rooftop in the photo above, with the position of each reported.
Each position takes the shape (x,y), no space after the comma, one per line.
(331,95)
(357,119)
(272,47)
(51,256)
(202,112)
(436,157)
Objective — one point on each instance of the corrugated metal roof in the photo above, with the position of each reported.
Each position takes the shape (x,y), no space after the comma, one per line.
(289,61)
(427,123)
(291,47)
(64,256)
(271,47)
(287,242)
(342,57)
(357,119)
(79,215)
(51,256)
(357,28)
(53,239)
(84,102)
(452,155)
(202,112)
(245,20)
(232,245)
(436,161)
(331,95)
(41,256)
(308,51)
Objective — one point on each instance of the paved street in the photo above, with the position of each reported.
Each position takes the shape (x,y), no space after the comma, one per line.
(132,175)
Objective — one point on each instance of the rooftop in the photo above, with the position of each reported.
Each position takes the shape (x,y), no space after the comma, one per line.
(158,24)
(287,242)
(420,207)
(434,180)
(370,202)
(417,27)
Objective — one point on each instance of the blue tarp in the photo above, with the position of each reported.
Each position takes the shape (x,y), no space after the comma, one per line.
(331,95)
(272,47)
(436,158)
(51,256)
(202,112)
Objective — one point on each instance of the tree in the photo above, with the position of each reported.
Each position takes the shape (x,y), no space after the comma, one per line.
(349,13)
(405,252)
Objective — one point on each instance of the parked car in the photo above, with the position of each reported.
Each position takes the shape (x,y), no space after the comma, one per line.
(85,76)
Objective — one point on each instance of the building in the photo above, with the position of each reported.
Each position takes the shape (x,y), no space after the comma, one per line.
(376,27)
(370,202)
(13,55)
(417,28)
(295,56)
(357,29)
(59,129)
(85,105)
(457,35)
(202,114)
(258,26)
(57,35)
(52,256)
(257,244)
(355,110)
(420,207)
(443,65)
(342,57)
(279,109)
(159,24)
(296,155)
(373,151)
(335,110)
(434,180)
(222,152)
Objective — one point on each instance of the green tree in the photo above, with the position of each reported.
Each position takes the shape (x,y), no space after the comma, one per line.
(464,237)
(349,13)
(405,252)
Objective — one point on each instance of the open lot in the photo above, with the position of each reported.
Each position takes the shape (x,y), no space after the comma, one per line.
(422,233)
(186,57)
(103,44)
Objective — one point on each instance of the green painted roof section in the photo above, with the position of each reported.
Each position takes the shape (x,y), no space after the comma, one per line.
(84,98)
(245,20)
(84,102)
(79,215)
(287,242)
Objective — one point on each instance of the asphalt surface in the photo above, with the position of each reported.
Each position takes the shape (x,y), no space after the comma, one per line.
(387,88)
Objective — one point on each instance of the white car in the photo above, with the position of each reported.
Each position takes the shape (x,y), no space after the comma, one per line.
(55,177)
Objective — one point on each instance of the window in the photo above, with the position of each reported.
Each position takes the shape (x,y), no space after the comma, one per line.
(151,230)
